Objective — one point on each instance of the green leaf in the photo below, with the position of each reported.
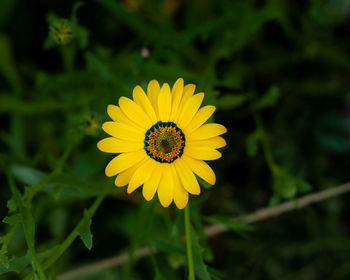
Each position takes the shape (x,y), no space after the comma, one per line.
(84,230)
(75,186)
(287,185)
(200,267)
(11,204)
(27,175)
(81,35)
(16,264)
(237,226)
(302,185)
(269,99)
(13,219)
(231,101)
(4,261)
(176,260)
(167,247)
(28,226)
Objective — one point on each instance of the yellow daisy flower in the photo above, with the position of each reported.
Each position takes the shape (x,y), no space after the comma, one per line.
(162,142)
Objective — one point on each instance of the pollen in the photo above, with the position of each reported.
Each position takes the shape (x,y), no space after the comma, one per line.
(164,142)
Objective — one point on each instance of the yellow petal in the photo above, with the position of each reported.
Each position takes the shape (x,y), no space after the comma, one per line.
(190,109)
(123,162)
(134,112)
(187,94)
(141,175)
(123,178)
(187,177)
(141,99)
(202,153)
(214,142)
(180,194)
(112,111)
(176,93)
(200,118)
(208,130)
(164,103)
(152,93)
(166,187)
(201,168)
(123,131)
(117,115)
(151,186)
(113,145)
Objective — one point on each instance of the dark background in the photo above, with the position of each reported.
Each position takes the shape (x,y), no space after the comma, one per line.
(278,73)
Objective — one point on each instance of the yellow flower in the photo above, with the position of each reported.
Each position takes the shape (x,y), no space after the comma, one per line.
(61,32)
(162,141)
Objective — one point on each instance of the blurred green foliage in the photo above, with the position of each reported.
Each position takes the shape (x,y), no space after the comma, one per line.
(278,73)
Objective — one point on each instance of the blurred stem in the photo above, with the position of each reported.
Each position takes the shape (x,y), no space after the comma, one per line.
(71,237)
(7,238)
(153,260)
(68,56)
(265,142)
(28,196)
(28,231)
(129,264)
(189,244)
(143,227)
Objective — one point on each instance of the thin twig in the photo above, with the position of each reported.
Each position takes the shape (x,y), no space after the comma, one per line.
(71,237)
(105,263)
(259,215)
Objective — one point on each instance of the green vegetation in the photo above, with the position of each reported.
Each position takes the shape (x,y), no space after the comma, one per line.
(278,73)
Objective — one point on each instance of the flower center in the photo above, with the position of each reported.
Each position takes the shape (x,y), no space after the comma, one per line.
(164,142)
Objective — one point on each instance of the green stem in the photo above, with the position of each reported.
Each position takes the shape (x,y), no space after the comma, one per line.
(68,56)
(35,261)
(28,197)
(29,232)
(71,237)
(265,142)
(7,237)
(189,244)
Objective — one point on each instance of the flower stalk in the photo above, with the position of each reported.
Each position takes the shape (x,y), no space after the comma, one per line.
(189,244)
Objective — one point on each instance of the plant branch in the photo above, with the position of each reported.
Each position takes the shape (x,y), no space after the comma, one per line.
(71,237)
(28,228)
(259,215)
(265,141)
(189,243)
(28,197)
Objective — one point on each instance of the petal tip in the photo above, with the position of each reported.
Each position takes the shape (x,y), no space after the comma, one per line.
(108,172)
(98,145)
(129,191)
(196,192)
(181,206)
(165,204)
(224,129)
